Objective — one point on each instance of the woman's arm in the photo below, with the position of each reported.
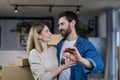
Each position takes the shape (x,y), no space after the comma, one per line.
(37,67)
(39,71)
(58,70)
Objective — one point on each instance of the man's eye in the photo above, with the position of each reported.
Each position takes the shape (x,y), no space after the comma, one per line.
(62,23)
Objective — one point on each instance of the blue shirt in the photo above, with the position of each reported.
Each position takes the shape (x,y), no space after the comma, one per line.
(88,51)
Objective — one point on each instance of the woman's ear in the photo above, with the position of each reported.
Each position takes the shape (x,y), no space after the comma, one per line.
(38,36)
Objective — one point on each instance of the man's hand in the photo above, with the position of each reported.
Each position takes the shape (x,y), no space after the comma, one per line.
(73,54)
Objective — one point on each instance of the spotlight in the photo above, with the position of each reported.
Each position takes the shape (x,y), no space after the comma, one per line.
(50,8)
(77,10)
(16,9)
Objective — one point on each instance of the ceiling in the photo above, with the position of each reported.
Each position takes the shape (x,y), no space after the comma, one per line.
(89,7)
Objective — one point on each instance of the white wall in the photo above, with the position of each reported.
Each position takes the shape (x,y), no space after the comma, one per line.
(102,25)
(9,40)
(9,56)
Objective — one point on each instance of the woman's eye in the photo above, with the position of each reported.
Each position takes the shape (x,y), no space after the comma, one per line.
(47,30)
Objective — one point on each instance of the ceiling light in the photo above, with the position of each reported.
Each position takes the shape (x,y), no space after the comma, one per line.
(50,8)
(16,9)
(77,10)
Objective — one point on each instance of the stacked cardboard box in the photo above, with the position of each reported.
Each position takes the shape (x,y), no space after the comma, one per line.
(21,62)
(18,71)
(12,72)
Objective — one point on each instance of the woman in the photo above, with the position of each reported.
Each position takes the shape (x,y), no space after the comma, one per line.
(42,58)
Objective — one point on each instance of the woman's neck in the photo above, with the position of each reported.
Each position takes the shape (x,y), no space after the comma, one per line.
(44,45)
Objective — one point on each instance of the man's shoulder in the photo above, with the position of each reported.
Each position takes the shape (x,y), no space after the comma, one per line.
(81,39)
(61,41)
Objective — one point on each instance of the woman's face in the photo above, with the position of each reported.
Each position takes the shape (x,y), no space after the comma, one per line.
(45,35)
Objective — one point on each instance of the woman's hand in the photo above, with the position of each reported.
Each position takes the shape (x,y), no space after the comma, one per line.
(68,63)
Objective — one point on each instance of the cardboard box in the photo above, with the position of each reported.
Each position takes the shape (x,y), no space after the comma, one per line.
(55,39)
(21,62)
(12,72)
(118,56)
(0,73)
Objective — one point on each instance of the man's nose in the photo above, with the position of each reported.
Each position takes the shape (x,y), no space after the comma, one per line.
(59,28)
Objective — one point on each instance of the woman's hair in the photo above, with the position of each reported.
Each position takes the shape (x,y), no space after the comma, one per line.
(33,41)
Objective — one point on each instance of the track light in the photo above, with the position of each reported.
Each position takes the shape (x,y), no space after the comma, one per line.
(50,8)
(16,9)
(77,10)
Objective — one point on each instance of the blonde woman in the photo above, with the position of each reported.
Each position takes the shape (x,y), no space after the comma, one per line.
(42,58)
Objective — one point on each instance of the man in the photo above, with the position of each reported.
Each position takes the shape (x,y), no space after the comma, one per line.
(86,56)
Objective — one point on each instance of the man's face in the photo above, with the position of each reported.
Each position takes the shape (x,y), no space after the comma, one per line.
(64,27)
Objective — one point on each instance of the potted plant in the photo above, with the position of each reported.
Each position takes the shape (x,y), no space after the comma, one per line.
(22,27)
(83,30)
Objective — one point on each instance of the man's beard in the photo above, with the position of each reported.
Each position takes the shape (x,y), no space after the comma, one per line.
(66,32)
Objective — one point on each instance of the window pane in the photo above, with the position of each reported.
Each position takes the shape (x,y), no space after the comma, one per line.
(118,38)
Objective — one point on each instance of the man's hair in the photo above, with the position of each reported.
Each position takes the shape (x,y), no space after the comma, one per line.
(69,16)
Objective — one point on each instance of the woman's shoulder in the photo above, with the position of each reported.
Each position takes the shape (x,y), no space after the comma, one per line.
(34,56)
(33,52)
(52,48)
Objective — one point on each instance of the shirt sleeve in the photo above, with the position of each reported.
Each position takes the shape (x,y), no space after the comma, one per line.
(37,67)
(91,54)
(87,71)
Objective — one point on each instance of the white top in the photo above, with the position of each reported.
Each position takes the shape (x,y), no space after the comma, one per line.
(42,63)
(65,75)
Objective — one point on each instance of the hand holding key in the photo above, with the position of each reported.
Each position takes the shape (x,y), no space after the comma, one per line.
(73,55)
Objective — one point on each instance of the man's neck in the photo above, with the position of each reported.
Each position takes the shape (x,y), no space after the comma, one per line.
(71,37)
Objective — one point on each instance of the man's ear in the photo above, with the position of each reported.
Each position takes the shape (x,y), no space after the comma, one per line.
(73,22)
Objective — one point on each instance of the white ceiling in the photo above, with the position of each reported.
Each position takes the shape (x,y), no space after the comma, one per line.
(90,7)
